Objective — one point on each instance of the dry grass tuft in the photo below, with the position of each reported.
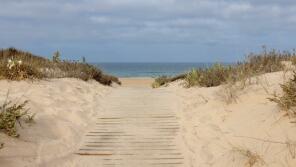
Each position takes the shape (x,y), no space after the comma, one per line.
(287,101)
(229,93)
(218,74)
(164,80)
(252,158)
(19,65)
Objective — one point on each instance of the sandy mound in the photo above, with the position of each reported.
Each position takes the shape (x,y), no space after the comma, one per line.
(248,132)
(64,108)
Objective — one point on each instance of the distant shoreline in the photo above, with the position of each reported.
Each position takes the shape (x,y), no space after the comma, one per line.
(126,70)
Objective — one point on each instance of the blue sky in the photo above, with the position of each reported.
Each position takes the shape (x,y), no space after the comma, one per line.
(148,30)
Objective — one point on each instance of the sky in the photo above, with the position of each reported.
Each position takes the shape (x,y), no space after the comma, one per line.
(148,30)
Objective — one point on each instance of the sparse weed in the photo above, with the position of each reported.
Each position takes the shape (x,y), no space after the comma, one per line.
(30,118)
(252,158)
(164,80)
(287,101)
(229,93)
(10,115)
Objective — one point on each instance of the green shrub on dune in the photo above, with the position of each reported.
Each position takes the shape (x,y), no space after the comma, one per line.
(10,115)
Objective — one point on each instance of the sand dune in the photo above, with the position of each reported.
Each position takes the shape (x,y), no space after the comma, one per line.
(249,132)
(64,109)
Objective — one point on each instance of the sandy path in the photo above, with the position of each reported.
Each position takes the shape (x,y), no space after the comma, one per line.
(139,127)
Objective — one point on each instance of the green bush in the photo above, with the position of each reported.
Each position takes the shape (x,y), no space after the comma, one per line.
(287,101)
(208,77)
(10,115)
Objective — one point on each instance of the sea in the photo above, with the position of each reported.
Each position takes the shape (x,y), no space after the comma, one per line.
(149,69)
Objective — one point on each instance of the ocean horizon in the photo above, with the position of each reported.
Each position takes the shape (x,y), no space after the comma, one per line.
(149,69)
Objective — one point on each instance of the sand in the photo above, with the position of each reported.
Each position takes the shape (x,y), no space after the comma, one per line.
(64,109)
(137,82)
(249,132)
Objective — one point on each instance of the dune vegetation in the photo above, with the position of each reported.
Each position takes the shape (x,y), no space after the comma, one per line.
(20,65)
(218,74)
(287,101)
(12,114)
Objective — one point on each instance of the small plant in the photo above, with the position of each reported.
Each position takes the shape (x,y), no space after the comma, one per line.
(56,57)
(192,78)
(160,81)
(17,70)
(252,157)
(30,118)
(287,101)
(164,80)
(229,93)
(83,59)
(10,115)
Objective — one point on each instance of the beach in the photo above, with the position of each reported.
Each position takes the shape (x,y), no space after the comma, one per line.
(209,132)
(148,83)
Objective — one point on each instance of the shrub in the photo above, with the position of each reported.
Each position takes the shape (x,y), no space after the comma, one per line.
(192,78)
(56,57)
(16,70)
(10,115)
(287,101)
(208,77)
(36,67)
(163,80)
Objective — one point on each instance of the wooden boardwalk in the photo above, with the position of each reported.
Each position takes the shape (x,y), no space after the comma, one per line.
(138,128)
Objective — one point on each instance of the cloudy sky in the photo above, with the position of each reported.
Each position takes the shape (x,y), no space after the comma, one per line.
(148,30)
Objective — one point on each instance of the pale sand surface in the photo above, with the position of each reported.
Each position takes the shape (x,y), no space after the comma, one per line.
(137,82)
(214,131)
(199,127)
(64,109)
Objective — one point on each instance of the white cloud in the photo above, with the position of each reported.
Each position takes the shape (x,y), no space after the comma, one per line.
(146,20)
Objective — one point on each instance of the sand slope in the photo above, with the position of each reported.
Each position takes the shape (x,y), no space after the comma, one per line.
(218,134)
(249,132)
(138,128)
(64,107)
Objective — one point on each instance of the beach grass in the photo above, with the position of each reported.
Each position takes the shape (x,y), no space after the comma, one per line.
(287,101)
(218,74)
(19,65)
